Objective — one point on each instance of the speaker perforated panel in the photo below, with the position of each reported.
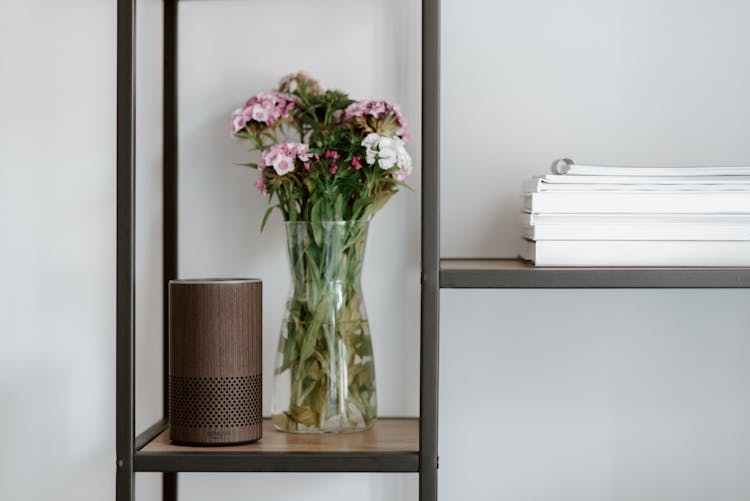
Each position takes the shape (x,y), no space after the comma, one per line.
(221,402)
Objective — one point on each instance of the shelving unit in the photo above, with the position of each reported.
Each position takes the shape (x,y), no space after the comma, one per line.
(393,445)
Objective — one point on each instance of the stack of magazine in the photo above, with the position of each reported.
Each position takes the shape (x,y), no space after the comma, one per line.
(586,215)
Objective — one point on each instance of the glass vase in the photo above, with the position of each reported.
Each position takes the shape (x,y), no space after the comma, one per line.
(324,378)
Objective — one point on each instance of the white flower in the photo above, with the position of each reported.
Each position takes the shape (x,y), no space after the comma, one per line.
(404,159)
(388,152)
(370,142)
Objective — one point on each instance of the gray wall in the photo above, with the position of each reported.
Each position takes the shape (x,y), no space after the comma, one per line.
(57,249)
(588,395)
(546,395)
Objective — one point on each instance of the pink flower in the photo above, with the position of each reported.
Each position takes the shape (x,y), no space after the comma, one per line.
(300,150)
(259,113)
(264,109)
(281,157)
(238,120)
(260,183)
(400,175)
(283,165)
(378,116)
(333,168)
(356,163)
(330,154)
(306,166)
(291,83)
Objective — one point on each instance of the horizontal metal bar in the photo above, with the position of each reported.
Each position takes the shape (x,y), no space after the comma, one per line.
(595,278)
(151,433)
(276,462)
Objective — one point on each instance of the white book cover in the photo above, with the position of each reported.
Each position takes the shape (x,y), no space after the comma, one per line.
(636,253)
(573,169)
(577,202)
(539,185)
(676,180)
(613,219)
(635,227)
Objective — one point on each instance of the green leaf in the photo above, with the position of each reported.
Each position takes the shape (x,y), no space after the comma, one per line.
(290,351)
(281,420)
(316,218)
(310,387)
(338,212)
(378,203)
(314,372)
(303,415)
(399,183)
(308,345)
(265,216)
(321,314)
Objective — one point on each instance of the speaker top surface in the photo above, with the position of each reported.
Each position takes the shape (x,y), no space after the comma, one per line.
(213,281)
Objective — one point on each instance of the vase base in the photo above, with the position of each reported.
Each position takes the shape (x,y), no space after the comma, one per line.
(282,423)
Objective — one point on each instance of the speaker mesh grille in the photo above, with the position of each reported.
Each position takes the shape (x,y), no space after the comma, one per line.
(222,402)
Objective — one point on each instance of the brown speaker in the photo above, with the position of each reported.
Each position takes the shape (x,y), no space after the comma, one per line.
(215,365)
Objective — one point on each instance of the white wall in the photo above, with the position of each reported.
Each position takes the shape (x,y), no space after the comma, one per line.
(577,395)
(57,249)
(546,395)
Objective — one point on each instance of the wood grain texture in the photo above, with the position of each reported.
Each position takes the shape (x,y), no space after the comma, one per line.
(215,360)
(483,264)
(216,328)
(388,435)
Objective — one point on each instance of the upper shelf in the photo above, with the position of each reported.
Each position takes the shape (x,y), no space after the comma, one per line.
(392,445)
(516,274)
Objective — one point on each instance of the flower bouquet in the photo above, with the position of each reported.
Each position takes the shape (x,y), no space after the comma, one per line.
(328,164)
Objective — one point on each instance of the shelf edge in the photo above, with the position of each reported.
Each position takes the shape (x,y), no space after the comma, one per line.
(596,278)
(378,462)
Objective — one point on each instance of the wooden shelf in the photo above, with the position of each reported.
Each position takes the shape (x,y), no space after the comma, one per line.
(392,445)
(516,274)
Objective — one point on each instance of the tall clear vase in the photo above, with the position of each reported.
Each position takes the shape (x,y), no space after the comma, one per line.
(324,378)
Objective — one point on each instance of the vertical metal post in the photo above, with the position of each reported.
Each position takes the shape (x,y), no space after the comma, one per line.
(428,408)
(169,486)
(169,174)
(169,201)
(125,339)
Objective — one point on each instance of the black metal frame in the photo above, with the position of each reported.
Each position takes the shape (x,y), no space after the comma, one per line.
(130,458)
(348,462)
(594,278)
(125,417)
